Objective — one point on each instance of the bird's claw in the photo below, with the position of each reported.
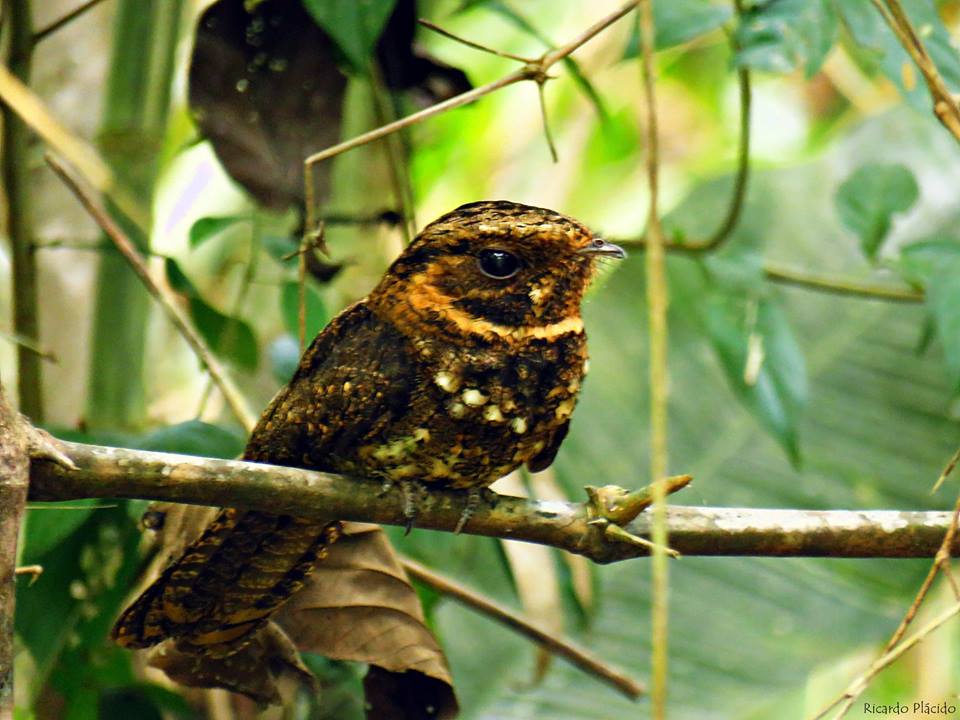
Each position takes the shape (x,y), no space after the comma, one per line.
(474,496)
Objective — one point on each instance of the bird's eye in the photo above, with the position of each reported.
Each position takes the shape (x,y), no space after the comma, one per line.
(498,264)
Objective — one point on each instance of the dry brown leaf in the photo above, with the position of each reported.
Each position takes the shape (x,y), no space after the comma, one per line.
(267,92)
(358,605)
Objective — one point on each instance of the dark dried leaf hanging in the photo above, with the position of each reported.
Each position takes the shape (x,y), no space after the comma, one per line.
(267,91)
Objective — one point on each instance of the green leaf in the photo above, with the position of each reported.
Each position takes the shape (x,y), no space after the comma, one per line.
(48,524)
(178,280)
(879,48)
(208,227)
(679,21)
(316,311)
(227,336)
(943,302)
(762,361)
(781,35)
(354,25)
(194,437)
(920,261)
(870,197)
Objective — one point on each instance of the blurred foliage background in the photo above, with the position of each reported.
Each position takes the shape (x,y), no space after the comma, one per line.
(781,396)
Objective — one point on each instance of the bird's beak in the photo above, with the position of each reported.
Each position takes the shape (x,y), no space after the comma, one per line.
(599,246)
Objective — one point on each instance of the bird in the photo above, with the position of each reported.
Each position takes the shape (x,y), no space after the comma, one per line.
(462,364)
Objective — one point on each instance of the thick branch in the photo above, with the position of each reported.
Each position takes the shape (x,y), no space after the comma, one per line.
(115,472)
(14,462)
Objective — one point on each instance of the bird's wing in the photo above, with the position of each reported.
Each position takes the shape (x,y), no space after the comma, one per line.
(543,459)
(245,564)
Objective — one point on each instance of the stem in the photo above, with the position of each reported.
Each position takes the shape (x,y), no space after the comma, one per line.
(106,472)
(160,292)
(840,286)
(580,657)
(65,20)
(394,152)
(729,224)
(16,181)
(659,376)
(134,123)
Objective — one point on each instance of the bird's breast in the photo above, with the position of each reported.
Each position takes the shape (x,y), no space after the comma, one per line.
(476,415)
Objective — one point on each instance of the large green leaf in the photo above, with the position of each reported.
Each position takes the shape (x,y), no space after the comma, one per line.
(355,25)
(680,21)
(207,228)
(870,197)
(782,35)
(228,336)
(943,299)
(761,359)
(316,315)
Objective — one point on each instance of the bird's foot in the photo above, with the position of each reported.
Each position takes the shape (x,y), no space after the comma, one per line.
(413,492)
(610,508)
(474,496)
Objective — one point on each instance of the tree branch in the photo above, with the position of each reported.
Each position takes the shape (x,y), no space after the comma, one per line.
(107,472)
(19,443)
(14,462)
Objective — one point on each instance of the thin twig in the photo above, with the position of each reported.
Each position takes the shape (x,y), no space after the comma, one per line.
(856,688)
(945,106)
(66,19)
(79,153)
(735,208)
(159,292)
(941,562)
(34,571)
(951,465)
(659,374)
(30,345)
(551,145)
(579,656)
(530,71)
(475,45)
(246,281)
(840,286)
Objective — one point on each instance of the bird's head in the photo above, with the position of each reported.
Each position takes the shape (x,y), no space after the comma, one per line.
(494,269)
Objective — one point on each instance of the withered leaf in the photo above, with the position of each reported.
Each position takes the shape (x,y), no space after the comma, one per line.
(358,605)
(267,91)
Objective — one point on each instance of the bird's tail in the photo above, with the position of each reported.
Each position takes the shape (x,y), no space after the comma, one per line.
(228,582)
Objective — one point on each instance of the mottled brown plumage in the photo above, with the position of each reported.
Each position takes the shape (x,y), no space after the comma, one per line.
(463,363)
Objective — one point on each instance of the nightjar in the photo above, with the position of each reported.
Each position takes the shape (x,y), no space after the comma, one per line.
(461,365)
